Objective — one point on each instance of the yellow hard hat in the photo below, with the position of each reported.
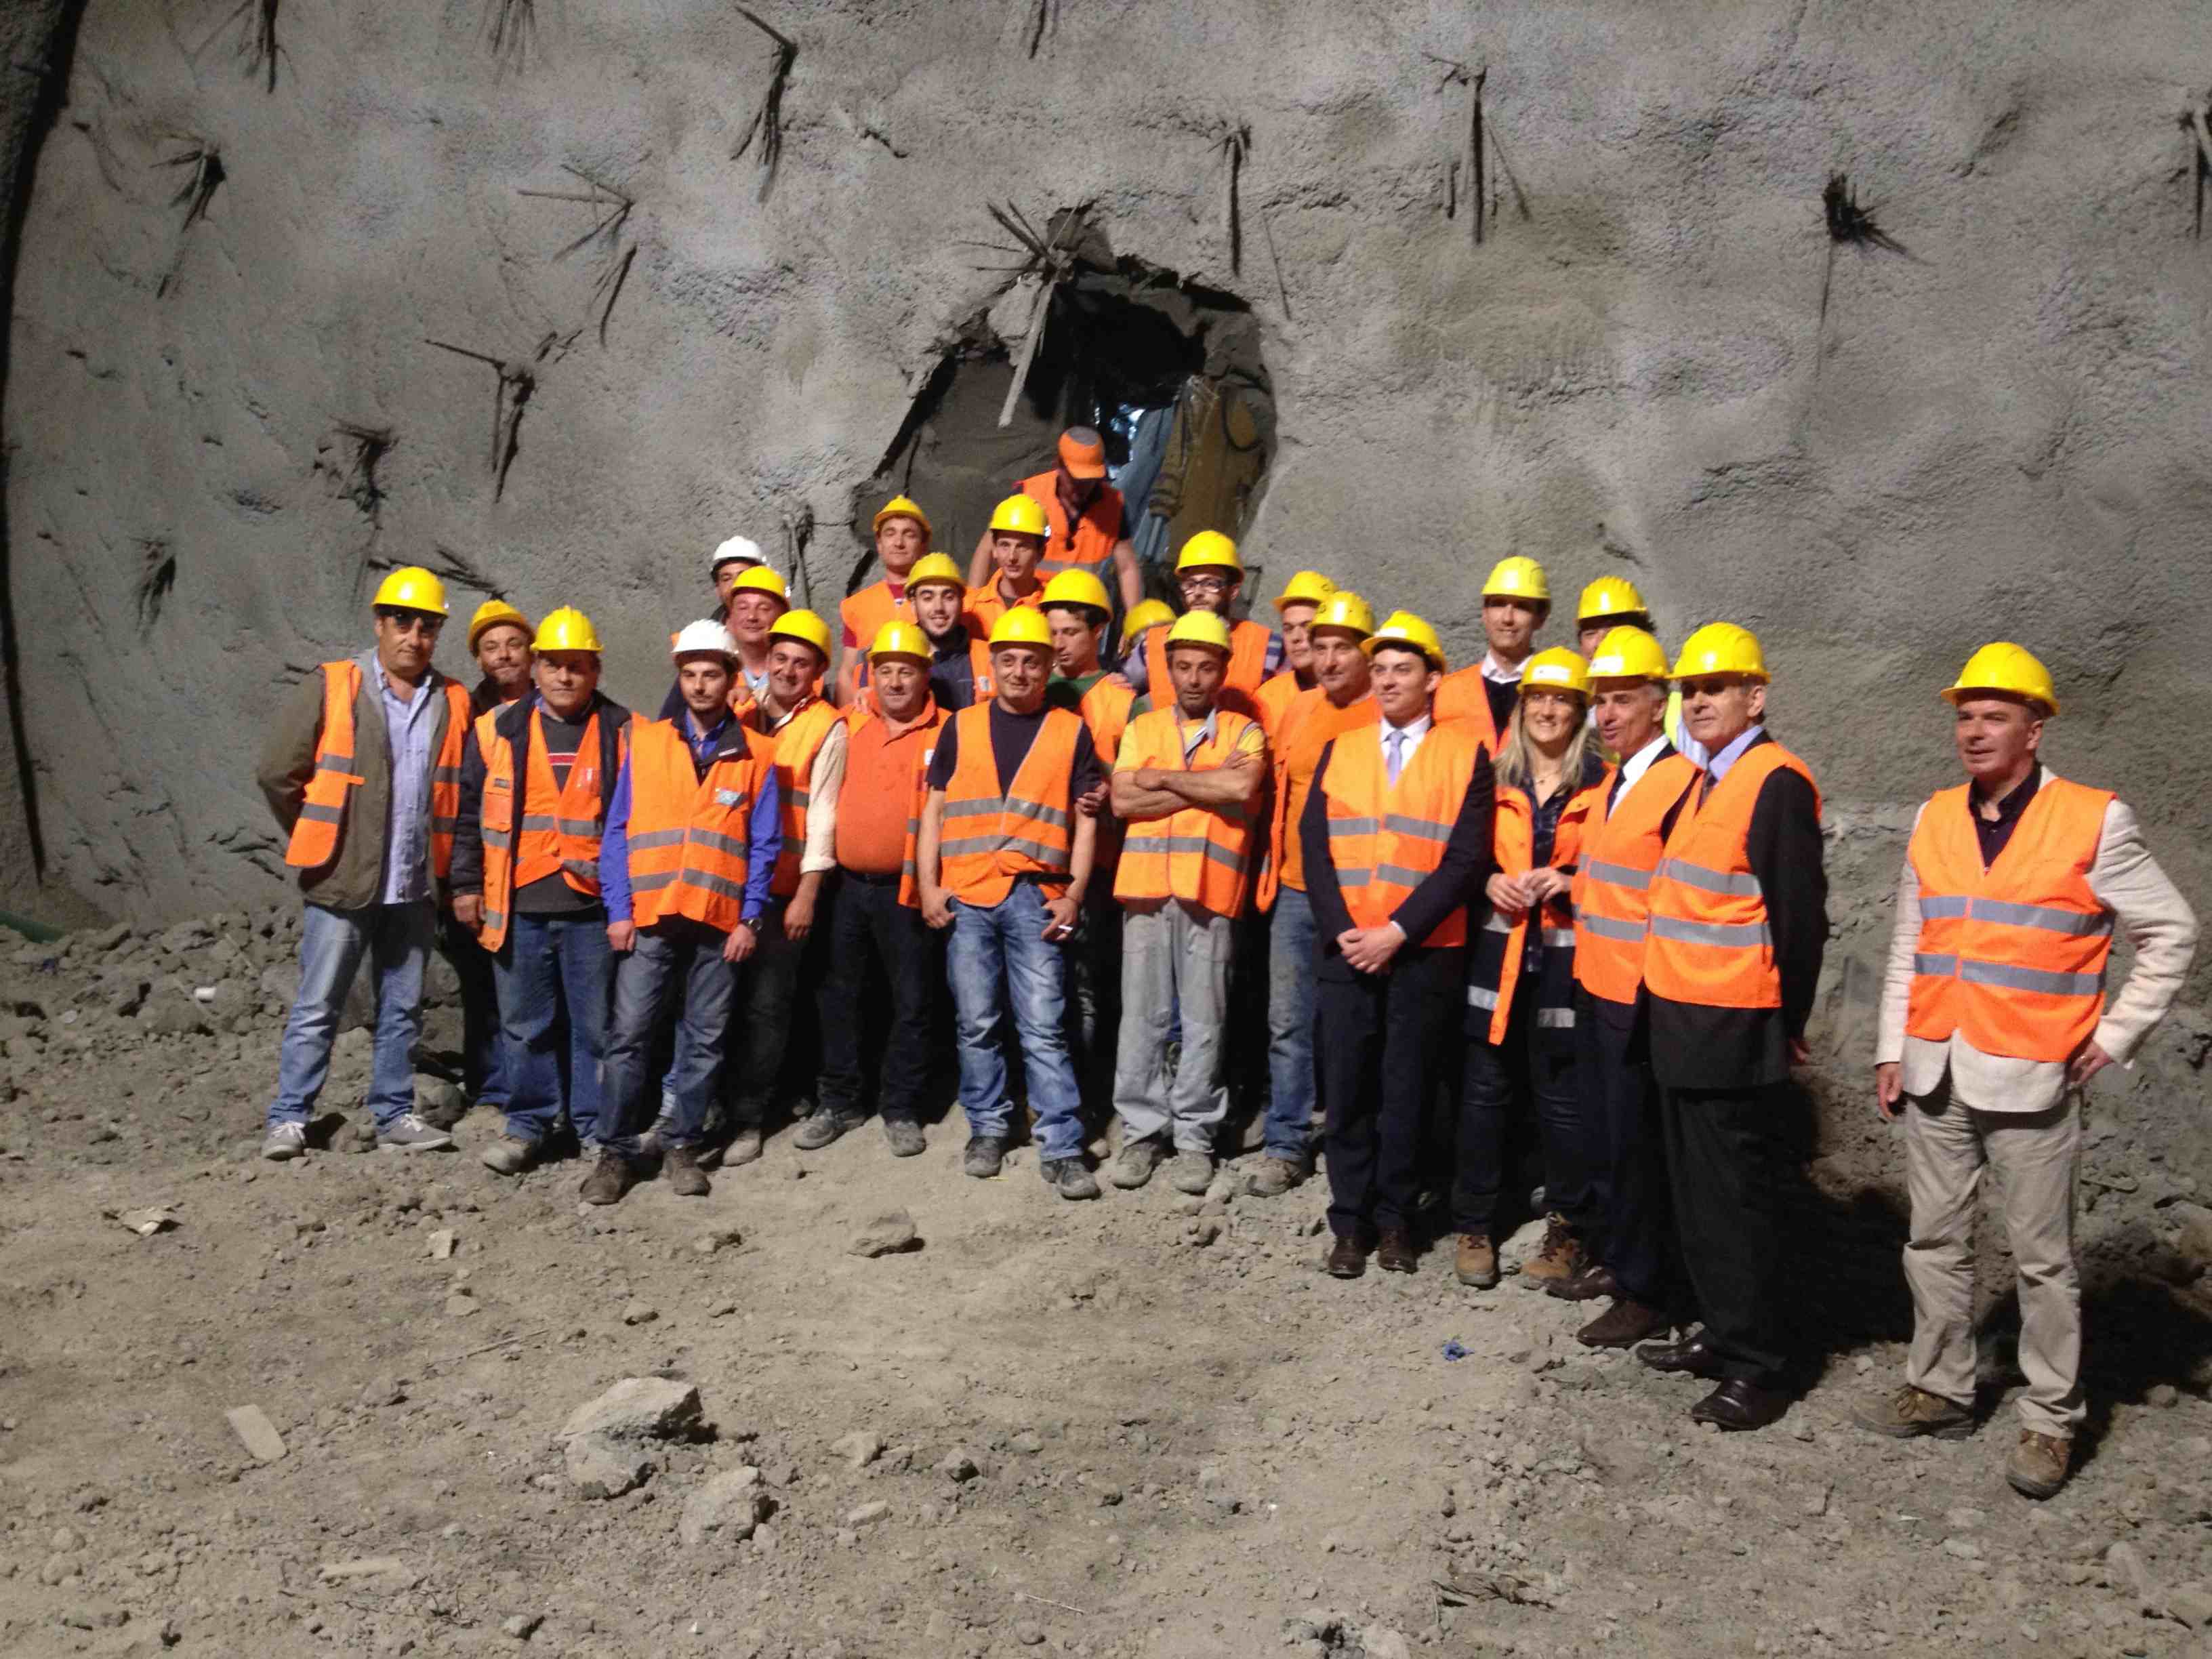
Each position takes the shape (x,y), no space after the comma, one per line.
(1076,587)
(804,627)
(1345,610)
(1404,628)
(898,638)
(1721,649)
(933,568)
(1145,613)
(2013,670)
(1628,653)
(1306,588)
(490,614)
(1611,596)
(1024,624)
(1198,628)
(1209,549)
(903,507)
(1023,514)
(410,587)
(566,629)
(1517,578)
(761,578)
(1556,670)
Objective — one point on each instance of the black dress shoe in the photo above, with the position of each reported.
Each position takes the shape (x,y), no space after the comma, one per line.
(1396,1253)
(1592,1282)
(1347,1258)
(1693,1354)
(1740,1404)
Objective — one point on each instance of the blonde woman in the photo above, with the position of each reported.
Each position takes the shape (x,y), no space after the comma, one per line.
(1521,974)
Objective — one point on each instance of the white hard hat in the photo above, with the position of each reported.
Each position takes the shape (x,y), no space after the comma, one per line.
(742,549)
(703,635)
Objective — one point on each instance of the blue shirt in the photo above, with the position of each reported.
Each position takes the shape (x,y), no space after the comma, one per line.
(1717,767)
(765,837)
(408,725)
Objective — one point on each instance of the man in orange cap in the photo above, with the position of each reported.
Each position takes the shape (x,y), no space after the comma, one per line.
(1089,523)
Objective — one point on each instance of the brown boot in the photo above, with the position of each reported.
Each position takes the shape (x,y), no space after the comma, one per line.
(610,1177)
(685,1178)
(1908,1413)
(2038,1465)
(1394,1255)
(1476,1263)
(1561,1255)
(1623,1325)
(1347,1258)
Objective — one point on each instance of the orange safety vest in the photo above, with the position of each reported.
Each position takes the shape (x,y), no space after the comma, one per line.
(321,823)
(1708,941)
(1105,709)
(910,890)
(988,839)
(1494,965)
(689,837)
(559,828)
(863,613)
(985,604)
(1273,699)
(1613,885)
(2013,957)
(1385,839)
(1462,699)
(1283,866)
(797,742)
(1200,855)
(1096,533)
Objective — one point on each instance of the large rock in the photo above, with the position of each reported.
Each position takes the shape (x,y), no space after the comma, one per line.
(638,1408)
(602,1466)
(724,1509)
(886,1234)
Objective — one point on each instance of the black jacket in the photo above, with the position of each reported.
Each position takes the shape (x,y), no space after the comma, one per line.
(1694,1047)
(513,723)
(1468,861)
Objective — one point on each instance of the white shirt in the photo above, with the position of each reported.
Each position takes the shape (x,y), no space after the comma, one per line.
(1499,672)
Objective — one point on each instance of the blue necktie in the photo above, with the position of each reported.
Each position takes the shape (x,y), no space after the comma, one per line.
(1395,743)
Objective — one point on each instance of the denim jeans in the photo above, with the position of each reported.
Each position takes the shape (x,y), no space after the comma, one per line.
(483,1071)
(395,939)
(1290,959)
(1006,941)
(554,973)
(675,956)
(1177,956)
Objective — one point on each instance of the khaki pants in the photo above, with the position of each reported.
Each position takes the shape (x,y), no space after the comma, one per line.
(2035,1154)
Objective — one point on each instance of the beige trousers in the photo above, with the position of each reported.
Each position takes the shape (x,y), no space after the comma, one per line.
(2035,1154)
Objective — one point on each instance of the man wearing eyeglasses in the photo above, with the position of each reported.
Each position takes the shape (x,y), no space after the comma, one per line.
(363,774)
(1211,573)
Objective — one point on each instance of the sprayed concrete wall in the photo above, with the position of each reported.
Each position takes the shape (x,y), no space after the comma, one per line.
(1997,429)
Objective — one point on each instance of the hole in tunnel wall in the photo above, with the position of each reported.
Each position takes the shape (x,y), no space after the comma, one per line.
(1171,372)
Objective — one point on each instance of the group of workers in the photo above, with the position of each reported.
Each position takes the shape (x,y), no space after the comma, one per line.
(1572,897)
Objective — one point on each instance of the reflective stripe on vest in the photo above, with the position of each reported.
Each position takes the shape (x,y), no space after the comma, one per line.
(1385,839)
(689,835)
(2012,958)
(1500,949)
(796,741)
(1709,943)
(987,840)
(1199,854)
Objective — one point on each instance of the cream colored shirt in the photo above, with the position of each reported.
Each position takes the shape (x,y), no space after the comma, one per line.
(2151,912)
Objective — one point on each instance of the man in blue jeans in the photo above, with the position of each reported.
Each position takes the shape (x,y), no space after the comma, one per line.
(1003,857)
(363,773)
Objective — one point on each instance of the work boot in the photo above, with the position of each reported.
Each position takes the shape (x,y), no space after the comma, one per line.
(1139,1158)
(1395,1253)
(1476,1262)
(1623,1325)
(1908,1413)
(742,1147)
(411,1134)
(1346,1258)
(2040,1464)
(986,1157)
(1272,1176)
(685,1178)
(1067,1177)
(284,1142)
(1191,1173)
(1560,1257)
(904,1136)
(610,1177)
(509,1155)
(826,1125)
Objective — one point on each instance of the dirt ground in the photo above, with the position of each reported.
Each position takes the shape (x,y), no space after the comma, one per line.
(1167,1433)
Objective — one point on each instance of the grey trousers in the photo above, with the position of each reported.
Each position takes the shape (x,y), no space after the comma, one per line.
(1175,955)
(2035,1155)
